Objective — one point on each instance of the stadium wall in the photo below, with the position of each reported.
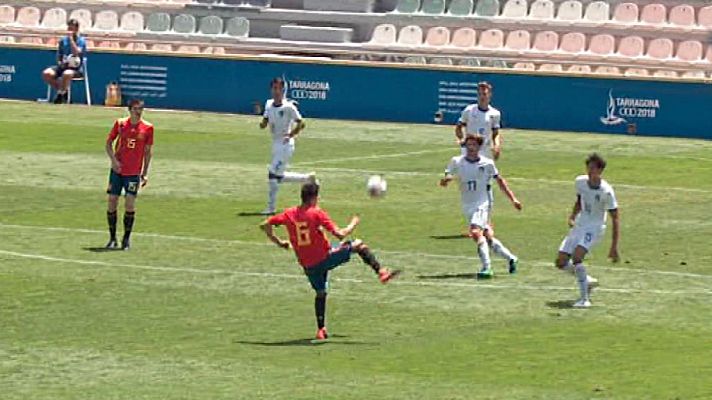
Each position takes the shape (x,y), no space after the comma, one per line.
(361,91)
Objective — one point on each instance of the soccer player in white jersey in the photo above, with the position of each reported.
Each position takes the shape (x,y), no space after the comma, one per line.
(285,122)
(594,199)
(481,119)
(475,174)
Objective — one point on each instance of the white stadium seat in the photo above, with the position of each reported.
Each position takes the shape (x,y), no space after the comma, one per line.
(106,20)
(626,13)
(515,9)
(384,35)
(570,10)
(542,9)
(55,18)
(411,35)
(132,21)
(597,12)
(7,15)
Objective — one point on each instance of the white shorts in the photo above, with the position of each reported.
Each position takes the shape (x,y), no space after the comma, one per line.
(281,155)
(477,216)
(584,236)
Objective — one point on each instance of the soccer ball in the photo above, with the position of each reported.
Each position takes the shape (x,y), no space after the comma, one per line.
(73,61)
(376,186)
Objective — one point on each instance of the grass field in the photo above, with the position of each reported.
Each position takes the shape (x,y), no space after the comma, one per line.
(203,307)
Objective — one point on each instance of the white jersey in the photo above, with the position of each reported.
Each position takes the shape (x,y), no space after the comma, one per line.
(481,123)
(281,118)
(595,203)
(475,178)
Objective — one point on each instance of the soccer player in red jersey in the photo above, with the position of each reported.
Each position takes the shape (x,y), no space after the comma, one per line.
(129,147)
(306,225)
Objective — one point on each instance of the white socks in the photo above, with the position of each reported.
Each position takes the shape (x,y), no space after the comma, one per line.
(272,199)
(483,252)
(499,249)
(582,279)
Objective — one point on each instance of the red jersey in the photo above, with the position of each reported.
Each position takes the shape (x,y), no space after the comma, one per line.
(130,147)
(306,235)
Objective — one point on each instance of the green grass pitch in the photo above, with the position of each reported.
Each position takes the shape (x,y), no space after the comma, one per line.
(203,307)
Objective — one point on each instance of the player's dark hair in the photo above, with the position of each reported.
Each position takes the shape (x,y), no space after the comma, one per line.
(73,22)
(484,85)
(310,191)
(596,159)
(477,138)
(135,102)
(277,81)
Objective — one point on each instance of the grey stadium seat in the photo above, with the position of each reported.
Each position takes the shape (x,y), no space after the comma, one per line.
(211,25)
(487,8)
(158,22)
(184,23)
(238,27)
(434,7)
(461,7)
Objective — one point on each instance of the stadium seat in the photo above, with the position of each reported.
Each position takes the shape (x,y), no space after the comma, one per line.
(218,50)
(697,74)
(106,20)
(464,38)
(631,46)
(494,63)
(165,47)
(524,66)
(515,9)
(411,35)
(437,36)
(704,17)
(238,27)
(7,15)
(682,15)
(689,51)
(461,7)
(570,10)
(55,18)
(487,8)
(602,45)
(83,16)
(579,69)
(546,41)
(653,14)
(636,72)
(384,35)
(660,48)
(407,6)
(185,48)
(626,13)
(184,24)
(469,62)
(607,70)
(664,73)
(109,44)
(597,12)
(28,16)
(136,46)
(158,22)
(573,42)
(491,39)
(433,7)
(415,60)
(31,40)
(7,39)
(551,68)
(211,25)
(519,40)
(440,61)
(132,21)
(542,9)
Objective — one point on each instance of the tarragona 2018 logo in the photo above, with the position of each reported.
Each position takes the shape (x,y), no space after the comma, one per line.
(299,89)
(621,108)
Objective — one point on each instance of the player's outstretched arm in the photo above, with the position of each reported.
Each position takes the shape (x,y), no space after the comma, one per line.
(504,187)
(615,219)
(269,231)
(341,233)
(575,212)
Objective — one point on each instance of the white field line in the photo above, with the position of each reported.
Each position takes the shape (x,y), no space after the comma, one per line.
(350,280)
(373,157)
(536,263)
(509,178)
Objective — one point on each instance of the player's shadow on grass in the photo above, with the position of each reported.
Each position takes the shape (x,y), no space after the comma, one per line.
(251,214)
(99,249)
(561,304)
(469,276)
(449,237)
(304,342)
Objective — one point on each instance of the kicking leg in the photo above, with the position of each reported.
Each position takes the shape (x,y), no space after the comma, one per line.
(384,274)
